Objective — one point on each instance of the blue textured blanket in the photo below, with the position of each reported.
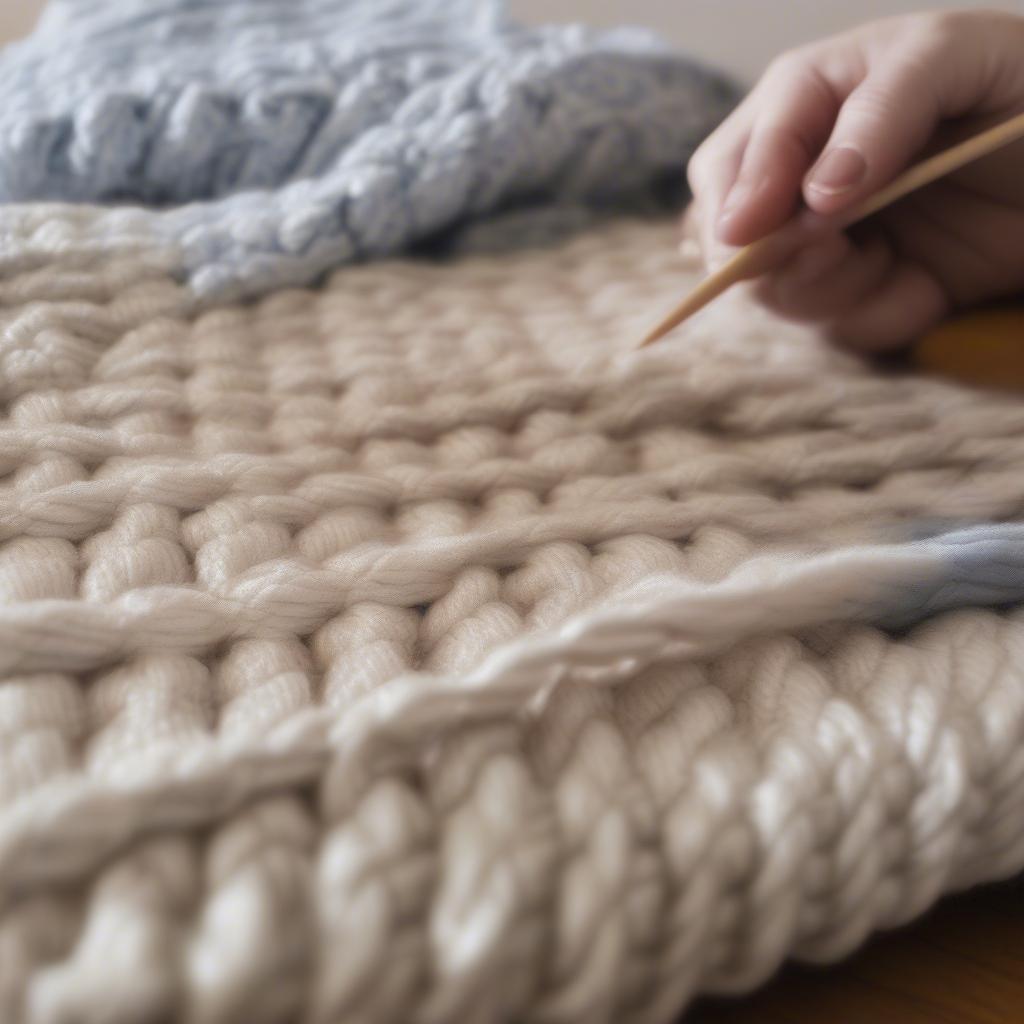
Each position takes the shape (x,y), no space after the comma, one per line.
(274,139)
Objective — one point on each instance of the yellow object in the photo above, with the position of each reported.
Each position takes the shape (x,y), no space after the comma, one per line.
(985,348)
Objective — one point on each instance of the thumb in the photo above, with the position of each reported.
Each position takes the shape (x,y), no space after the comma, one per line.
(884,122)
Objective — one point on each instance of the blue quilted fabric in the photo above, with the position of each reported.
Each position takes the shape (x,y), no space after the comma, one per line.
(274,139)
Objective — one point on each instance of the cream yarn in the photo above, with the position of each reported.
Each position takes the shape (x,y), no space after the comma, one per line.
(408,650)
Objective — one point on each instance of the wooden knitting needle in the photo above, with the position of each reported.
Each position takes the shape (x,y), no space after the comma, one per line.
(745,263)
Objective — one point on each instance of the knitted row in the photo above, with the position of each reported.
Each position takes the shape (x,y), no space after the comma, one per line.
(472,688)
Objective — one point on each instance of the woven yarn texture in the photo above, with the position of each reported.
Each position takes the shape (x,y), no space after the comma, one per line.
(406,649)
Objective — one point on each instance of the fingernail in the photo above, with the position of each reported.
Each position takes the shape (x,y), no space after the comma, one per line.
(838,171)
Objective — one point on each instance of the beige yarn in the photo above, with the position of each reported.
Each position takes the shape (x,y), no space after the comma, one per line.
(370,653)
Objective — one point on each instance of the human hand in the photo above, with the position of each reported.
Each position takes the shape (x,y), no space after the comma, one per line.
(831,123)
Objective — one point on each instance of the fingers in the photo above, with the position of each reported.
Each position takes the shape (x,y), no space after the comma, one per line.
(830,125)
(861,293)
(882,125)
(907,303)
(918,72)
(797,107)
(746,177)
(711,174)
(827,279)
(836,121)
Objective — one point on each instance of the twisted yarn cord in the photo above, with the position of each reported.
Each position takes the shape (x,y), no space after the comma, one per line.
(405,649)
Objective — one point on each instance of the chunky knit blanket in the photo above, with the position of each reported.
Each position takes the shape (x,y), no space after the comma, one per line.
(283,137)
(402,647)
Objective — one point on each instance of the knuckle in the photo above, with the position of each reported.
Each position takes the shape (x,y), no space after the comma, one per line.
(800,63)
(935,33)
(874,105)
(789,63)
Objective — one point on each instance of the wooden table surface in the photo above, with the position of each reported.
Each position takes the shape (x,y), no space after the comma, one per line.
(961,964)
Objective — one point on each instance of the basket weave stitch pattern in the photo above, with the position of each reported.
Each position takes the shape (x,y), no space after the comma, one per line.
(405,649)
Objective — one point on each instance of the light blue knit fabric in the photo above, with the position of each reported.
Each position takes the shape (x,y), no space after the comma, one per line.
(274,139)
